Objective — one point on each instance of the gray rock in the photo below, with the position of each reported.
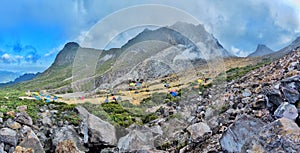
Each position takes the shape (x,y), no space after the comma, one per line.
(172,126)
(286,110)
(282,135)
(292,82)
(22,108)
(100,132)
(30,140)
(198,131)
(213,123)
(11,150)
(2,148)
(247,93)
(8,136)
(110,150)
(291,95)
(138,138)
(23,118)
(274,97)
(237,133)
(46,121)
(42,137)
(67,133)
(12,124)
(210,112)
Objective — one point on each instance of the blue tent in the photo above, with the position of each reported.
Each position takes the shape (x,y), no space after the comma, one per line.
(174,94)
(106,100)
(37,98)
(48,100)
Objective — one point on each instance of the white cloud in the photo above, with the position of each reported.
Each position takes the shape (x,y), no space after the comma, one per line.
(19,57)
(55,50)
(238,52)
(6,58)
(234,50)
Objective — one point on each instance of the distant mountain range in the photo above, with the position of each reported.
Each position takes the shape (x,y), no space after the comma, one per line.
(6,76)
(151,54)
(261,50)
(22,78)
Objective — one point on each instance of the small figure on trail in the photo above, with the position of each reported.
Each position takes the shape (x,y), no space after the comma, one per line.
(114,98)
(106,100)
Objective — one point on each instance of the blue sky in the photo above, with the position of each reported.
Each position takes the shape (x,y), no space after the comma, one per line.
(32,32)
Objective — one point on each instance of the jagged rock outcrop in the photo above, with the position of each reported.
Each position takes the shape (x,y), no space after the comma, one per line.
(30,140)
(282,135)
(99,132)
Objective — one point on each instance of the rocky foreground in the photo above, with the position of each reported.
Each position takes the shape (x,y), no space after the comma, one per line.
(258,112)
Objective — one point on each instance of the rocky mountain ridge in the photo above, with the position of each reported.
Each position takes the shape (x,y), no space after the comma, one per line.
(261,50)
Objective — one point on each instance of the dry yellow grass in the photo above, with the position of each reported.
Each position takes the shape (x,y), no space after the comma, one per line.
(177,82)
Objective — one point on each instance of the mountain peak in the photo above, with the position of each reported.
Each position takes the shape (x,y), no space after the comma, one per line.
(261,50)
(71,45)
(67,54)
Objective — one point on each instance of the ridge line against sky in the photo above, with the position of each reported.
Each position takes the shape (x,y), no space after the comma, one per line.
(33,32)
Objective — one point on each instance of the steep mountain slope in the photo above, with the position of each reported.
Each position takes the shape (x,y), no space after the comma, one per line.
(261,50)
(285,50)
(59,74)
(156,53)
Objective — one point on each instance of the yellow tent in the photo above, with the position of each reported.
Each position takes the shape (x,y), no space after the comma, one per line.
(132,84)
(200,81)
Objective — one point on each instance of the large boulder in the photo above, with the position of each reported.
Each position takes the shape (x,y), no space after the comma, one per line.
(138,138)
(45,119)
(67,133)
(282,135)
(198,131)
(99,131)
(286,110)
(292,82)
(8,136)
(30,140)
(274,97)
(291,95)
(237,133)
